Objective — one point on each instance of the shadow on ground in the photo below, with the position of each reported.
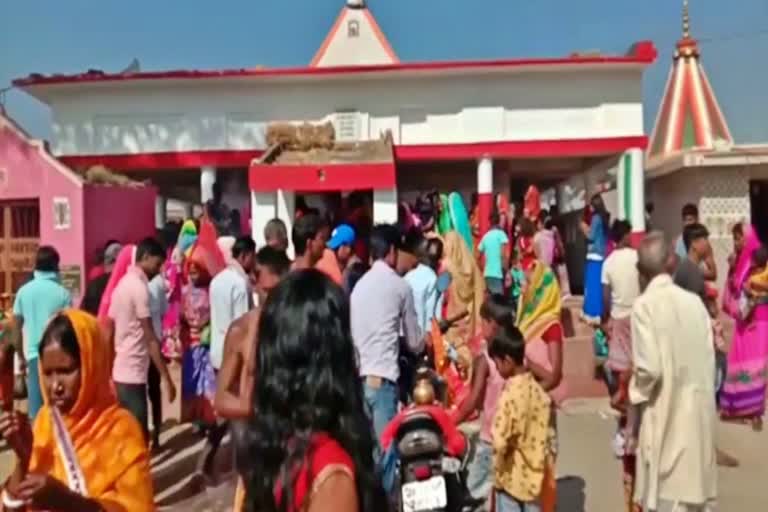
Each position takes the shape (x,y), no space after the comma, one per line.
(571,494)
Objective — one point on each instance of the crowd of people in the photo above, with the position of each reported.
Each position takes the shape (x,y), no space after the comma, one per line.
(310,363)
(670,370)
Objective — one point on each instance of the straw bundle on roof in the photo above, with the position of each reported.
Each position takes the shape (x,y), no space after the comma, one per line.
(101,175)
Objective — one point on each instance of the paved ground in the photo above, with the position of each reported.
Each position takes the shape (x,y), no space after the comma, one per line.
(589,476)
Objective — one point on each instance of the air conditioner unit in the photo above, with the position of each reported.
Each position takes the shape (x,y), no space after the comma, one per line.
(347,126)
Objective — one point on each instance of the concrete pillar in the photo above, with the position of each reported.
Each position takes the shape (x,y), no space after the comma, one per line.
(286,211)
(207,179)
(484,193)
(161,211)
(263,209)
(385,206)
(631,191)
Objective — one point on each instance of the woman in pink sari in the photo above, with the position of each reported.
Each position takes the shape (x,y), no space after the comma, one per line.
(743,395)
(125,259)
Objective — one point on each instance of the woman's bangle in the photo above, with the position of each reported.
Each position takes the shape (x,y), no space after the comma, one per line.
(11,502)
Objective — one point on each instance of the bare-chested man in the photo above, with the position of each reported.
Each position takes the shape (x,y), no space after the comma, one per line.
(235,380)
(235,386)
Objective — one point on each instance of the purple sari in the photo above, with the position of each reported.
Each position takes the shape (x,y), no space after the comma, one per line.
(743,394)
(198,380)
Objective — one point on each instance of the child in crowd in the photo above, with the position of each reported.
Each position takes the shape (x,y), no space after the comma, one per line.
(495,314)
(758,281)
(756,289)
(721,357)
(520,428)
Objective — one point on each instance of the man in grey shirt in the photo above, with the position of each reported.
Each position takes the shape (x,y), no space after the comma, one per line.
(380,304)
(689,275)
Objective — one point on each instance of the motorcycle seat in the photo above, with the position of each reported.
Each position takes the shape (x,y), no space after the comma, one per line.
(419,435)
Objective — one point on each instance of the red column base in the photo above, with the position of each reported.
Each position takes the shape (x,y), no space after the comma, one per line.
(637,237)
(484,210)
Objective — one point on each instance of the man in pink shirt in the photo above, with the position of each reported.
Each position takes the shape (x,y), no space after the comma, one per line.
(135,341)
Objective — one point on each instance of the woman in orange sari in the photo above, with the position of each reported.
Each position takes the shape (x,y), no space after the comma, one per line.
(85,453)
(538,318)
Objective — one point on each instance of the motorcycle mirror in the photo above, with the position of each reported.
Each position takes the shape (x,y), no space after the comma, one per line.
(443,282)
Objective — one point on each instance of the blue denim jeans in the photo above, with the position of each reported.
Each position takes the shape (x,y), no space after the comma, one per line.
(382,405)
(480,471)
(506,503)
(494,285)
(34,394)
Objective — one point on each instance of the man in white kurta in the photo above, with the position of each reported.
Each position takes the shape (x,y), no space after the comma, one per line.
(673,387)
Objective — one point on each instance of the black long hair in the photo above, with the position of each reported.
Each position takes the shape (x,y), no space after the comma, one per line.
(307,382)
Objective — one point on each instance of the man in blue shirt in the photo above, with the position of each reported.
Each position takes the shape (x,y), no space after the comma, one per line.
(36,302)
(495,249)
(423,281)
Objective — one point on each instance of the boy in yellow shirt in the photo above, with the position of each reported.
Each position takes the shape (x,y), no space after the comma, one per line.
(521,434)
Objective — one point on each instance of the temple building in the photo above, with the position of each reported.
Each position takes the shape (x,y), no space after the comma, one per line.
(693,158)
(473,126)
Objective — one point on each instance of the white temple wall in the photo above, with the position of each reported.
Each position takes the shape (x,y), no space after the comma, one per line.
(722,196)
(232,114)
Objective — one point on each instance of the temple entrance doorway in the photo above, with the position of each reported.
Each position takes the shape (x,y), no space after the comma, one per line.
(758,199)
(19,240)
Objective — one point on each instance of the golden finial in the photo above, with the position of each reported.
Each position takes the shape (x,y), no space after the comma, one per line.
(686,21)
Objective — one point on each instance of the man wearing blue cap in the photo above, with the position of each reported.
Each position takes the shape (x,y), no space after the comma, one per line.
(341,243)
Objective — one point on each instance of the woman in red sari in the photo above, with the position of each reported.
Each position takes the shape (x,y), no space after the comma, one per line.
(310,446)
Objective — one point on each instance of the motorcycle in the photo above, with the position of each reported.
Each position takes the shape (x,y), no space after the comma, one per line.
(429,480)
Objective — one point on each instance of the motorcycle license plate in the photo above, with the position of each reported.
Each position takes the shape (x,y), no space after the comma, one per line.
(427,495)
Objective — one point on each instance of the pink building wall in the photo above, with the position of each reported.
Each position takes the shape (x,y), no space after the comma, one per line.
(97,213)
(31,173)
(116,213)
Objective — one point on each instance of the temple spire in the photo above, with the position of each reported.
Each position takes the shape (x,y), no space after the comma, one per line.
(689,116)
(687,46)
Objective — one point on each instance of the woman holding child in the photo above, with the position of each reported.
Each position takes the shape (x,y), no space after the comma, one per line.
(743,395)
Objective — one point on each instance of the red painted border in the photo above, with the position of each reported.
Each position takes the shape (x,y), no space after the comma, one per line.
(643,53)
(321,178)
(403,153)
(381,37)
(520,149)
(168,160)
(328,38)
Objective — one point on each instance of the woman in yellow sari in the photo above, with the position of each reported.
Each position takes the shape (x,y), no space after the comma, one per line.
(85,453)
(538,318)
(463,299)
(465,294)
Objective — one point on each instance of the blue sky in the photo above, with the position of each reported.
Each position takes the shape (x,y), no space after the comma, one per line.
(74,35)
